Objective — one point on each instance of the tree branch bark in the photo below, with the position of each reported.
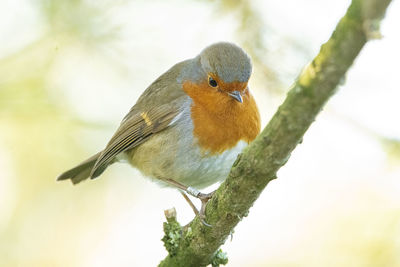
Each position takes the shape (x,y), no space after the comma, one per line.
(260,161)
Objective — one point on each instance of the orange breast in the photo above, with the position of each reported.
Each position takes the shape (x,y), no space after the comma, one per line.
(220,122)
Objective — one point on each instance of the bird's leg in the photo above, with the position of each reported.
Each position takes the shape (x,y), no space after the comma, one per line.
(195,210)
(204,198)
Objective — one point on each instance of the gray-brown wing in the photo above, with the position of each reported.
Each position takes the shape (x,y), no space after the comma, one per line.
(163,90)
(133,131)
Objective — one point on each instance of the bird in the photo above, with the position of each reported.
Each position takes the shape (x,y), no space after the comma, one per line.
(188,127)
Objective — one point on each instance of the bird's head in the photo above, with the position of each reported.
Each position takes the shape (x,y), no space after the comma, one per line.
(221,72)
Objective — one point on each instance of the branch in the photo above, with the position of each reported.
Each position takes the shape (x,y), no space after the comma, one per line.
(260,161)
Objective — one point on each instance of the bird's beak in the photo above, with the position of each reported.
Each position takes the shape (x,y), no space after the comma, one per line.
(237,96)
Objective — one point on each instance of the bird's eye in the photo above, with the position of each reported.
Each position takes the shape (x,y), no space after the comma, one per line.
(212,82)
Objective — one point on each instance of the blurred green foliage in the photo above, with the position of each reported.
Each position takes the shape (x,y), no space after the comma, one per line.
(42,134)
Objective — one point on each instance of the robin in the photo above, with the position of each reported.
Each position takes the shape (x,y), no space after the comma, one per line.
(187,128)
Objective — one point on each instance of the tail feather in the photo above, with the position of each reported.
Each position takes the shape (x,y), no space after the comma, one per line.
(80,172)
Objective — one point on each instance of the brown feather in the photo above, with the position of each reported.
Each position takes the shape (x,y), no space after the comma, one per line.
(133,131)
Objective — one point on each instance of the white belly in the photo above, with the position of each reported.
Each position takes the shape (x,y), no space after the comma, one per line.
(200,171)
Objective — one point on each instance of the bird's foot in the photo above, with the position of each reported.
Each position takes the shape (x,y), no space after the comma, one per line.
(204,198)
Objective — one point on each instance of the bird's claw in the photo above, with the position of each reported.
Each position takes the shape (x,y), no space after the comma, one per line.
(204,198)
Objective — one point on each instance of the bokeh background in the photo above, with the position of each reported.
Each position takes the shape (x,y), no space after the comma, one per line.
(71,69)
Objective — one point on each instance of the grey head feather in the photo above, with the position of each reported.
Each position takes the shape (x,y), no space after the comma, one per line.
(227,60)
(192,71)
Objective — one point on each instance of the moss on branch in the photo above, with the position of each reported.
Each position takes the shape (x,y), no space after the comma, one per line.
(260,161)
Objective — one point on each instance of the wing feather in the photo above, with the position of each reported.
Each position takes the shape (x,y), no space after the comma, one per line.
(134,130)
